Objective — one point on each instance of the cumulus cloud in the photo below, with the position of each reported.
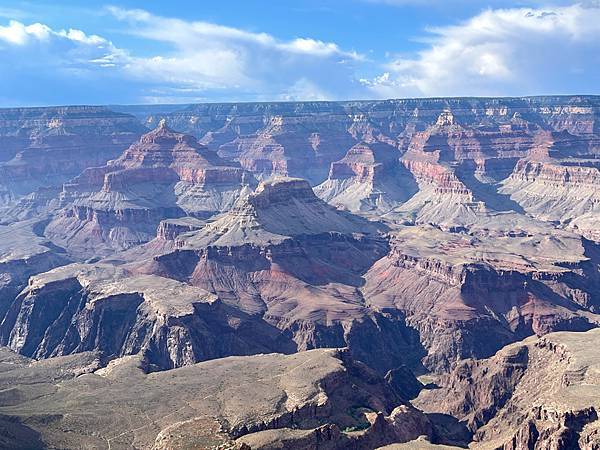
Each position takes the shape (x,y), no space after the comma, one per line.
(210,56)
(509,51)
(183,61)
(36,49)
(502,52)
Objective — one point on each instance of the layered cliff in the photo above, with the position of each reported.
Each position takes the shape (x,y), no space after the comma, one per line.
(368,179)
(563,191)
(297,262)
(303,138)
(278,210)
(23,253)
(442,230)
(80,308)
(539,393)
(42,147)
(469,295)
(164,175)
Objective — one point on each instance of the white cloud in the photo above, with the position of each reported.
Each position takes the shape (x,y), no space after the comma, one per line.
(206,56)
(18,34)
(21,35)
(510,51)
(185,34)
(501,52)
(184,60)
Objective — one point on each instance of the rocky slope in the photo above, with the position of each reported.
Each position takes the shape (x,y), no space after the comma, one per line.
(320,393)
(369,179)
(439,230)
(539,393)
(470,294)
(79,308)
(562,191)
(164,175)
(303,138)
(301,275)
(42,147)
(23,253)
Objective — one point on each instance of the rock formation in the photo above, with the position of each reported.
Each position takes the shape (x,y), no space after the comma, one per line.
(42,147)
(23,253)
(78,308)
(539,393)
(369,178)
(468,295)
(208,404)
(164,175)
(303,138)
(445,238)
(562,191)
(296,261)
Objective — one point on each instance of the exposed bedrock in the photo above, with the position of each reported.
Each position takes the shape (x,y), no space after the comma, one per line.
(164,175)
(321,396)
(170,229)
(463,308)
(40,148)
(85,308)
(442,178)
(538,393)
(23,253)
(456,295)
(86,230)
(268,136)
(302,276)
(368,179)
(565,192)
(307,288)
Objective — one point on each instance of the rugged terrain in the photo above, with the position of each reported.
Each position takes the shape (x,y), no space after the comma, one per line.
(197,253)
(69,402)
(41,148)
(163,175)
(539,393)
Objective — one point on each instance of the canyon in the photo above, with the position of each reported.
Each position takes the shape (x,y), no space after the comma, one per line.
(411,273)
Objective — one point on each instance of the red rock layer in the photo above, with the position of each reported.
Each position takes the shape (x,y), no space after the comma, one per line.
(443,178)
(559,175)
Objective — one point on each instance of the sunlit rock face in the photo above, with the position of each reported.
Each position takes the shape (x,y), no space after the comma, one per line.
(163,175)
(538,393)
(217,257)
(40,148)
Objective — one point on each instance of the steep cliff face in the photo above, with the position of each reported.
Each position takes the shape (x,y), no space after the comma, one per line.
(293,139)
(565,192)
(164,175)
(23,253)
(301,276)
(442,230)
(82,308)
(458,167)
(42,147)
(277,210)
(442,197)
(539,393)
(485,137)
(369,179)
(468,296)
(303,138)
(292,146)
(327,278)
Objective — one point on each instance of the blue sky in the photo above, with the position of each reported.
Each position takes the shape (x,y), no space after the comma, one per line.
(73,52)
